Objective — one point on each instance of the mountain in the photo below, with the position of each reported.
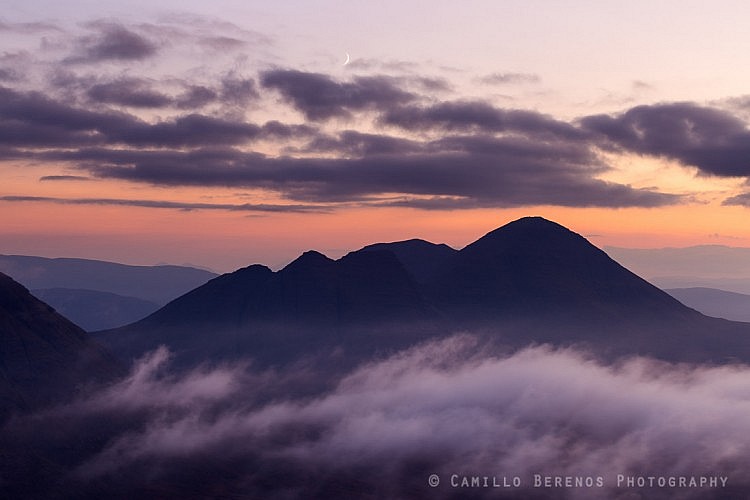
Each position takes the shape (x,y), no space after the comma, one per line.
(529,281)
(713,302)
(535,266)
(43,357)
(421,258)
(533,280)
(363,302)
(93,310)
(158,284)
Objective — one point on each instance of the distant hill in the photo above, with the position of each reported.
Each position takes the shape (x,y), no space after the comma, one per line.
(43,357)
(713,302)
(529,281)
(93,310)
(158,284)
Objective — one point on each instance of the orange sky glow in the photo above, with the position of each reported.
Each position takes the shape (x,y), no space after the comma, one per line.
(229,135)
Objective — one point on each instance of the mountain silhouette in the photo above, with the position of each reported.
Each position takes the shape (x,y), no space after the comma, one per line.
(363,302)
(421,258)
(535,266)
(529,281)
(44,357)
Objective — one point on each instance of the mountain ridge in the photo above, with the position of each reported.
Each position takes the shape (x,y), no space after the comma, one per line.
(529,281)
(158,284)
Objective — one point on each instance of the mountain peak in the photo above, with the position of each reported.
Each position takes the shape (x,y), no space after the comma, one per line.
(532,224)
(307,259)
(533,265)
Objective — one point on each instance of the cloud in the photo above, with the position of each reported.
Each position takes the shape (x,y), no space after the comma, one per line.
(742,200)
(320,97)
(9,75)
(238,91)
(478,116)
(353,143)
(40,119)
(112,42)
(713,140)
(446,407)
(28,28)
(486,171)
(505,173)
(189,28)
(176,205)
(196,96)
(499,158)
(640,85)
(133,92)
(432,84)
(509,78)
(64,178)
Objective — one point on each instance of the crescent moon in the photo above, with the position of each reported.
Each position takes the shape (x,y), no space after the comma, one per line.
(347,59)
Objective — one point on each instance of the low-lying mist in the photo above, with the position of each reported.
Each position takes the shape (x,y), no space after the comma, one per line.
(447,408)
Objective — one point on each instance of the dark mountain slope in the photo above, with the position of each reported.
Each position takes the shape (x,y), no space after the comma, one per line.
(314,304)
(43,357)
(533,265)
(533,280)
(421,258)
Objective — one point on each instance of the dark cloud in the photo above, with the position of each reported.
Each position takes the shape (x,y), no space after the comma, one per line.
(134,92)
(238,91)
(196,96)
(128,92)
(444,408)
(9,75)
(713,140)
(523,158)
(507,173)
(478,116)
(113,42)
(64,178)
(432,84)
(741,102)
(353,143)
(190,130)
(509,78)
(740,199)
(320,97)
(175,205)
(37,109)
(32,116)
(281,131)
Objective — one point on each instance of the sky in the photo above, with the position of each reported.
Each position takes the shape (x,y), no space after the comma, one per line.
(228,133)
